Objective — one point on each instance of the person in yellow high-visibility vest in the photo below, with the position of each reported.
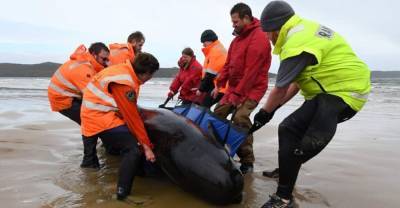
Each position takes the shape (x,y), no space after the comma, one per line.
(334,82)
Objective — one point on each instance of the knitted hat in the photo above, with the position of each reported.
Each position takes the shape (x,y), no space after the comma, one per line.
(208,35)
(275,15)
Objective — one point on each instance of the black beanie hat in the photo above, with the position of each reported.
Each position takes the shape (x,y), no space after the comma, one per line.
(208,35)
(275,14)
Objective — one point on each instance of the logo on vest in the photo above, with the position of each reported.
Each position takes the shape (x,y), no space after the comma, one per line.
(324,32)
(131,96)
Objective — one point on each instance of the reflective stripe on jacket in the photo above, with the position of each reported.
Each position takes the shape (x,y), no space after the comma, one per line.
(71,78)
(215,57)
(99,111)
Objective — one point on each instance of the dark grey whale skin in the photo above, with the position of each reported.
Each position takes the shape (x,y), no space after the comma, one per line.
(192,159)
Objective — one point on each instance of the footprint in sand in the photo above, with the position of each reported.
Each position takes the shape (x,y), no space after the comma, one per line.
(33,127)
(5,150)
(311,196)
(137,200)
(11,115)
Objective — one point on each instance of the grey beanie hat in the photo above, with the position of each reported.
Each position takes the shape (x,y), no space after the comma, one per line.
(275,14)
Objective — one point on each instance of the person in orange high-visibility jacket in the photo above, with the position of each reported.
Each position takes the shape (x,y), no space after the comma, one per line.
(120,52)
(215,57)
(109,111)
(67,83)
(66,86)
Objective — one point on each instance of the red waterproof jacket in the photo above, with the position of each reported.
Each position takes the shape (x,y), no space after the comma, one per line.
(247,65)
(188,80)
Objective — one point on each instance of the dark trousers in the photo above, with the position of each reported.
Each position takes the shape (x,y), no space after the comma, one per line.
(209,101)
(121,139)
(305,133)
(74,112)
(89,143)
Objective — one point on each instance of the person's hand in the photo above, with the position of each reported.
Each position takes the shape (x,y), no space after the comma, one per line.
(198,93)
(182,62)
(171,94)
(234,99)
(214,93)
(261,118)
(149,154)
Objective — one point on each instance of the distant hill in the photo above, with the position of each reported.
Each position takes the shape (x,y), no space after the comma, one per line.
(28,70)
(385,74)
(166,72)
(47,69)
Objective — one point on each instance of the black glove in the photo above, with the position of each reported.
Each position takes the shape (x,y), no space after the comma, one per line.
(260,119)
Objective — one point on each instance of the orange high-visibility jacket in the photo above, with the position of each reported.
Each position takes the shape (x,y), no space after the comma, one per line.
(119,53)
(71,78)
(215,57)
(99,111)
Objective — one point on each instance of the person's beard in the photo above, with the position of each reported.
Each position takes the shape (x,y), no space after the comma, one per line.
(236,31)
(186,65)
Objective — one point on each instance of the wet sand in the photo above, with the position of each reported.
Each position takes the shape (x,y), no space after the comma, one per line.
(41,151)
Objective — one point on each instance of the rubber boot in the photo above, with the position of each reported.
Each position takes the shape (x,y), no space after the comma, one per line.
(246,168)
(90,159)
(271,174)
(122,193)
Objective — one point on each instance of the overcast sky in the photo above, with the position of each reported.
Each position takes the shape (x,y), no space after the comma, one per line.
(49,30)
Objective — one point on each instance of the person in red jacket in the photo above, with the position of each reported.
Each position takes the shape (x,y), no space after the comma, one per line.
(188,79)
(246,70)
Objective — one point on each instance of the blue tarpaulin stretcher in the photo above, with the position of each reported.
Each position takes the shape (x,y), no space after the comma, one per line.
(224,130)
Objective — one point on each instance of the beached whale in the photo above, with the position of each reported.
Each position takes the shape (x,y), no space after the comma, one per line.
(191,159)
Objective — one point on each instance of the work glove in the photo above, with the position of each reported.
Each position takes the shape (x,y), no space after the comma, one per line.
(198,93)
(260,119)
(214,93)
